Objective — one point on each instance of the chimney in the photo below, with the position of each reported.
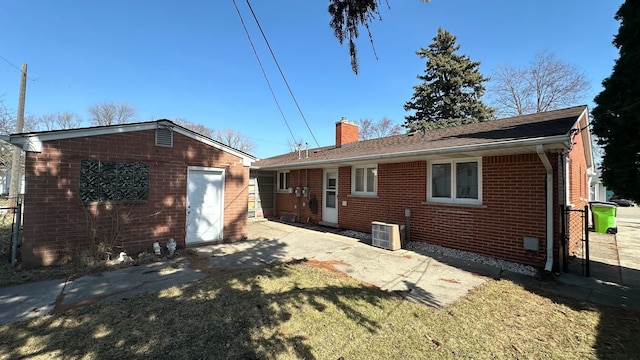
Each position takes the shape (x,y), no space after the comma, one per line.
(346,132)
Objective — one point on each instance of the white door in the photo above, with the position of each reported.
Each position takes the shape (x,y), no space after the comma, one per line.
(205,204)
(330,197)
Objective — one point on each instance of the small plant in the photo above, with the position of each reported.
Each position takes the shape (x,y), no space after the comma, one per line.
(105,224)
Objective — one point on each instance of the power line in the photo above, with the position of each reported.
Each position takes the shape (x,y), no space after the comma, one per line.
(263,71)
(281,73)
(10,63)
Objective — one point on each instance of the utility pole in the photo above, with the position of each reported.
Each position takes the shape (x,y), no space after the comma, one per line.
(14,185)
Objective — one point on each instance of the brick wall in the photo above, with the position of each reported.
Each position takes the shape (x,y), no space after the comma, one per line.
(290,203)
(514,206)
(578,192)
(56,225)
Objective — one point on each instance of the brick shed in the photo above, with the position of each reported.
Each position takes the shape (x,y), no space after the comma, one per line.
(124,187)
(493,188)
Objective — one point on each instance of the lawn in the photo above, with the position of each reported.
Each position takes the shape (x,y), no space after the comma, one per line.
(296,310)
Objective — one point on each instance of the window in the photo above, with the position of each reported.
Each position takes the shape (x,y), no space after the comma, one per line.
(283,181)
(455,181)
(107,181)
(364,179)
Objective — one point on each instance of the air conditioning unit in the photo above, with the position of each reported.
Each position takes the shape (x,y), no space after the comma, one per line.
(386,235)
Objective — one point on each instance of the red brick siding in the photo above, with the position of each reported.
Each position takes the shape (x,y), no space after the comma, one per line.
(514,206)
(55,224)
(578,191)
(290,203)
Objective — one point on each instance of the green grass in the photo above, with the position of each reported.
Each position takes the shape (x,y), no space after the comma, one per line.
(293,311)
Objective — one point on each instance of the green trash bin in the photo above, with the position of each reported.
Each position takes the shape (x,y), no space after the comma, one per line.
(604,217)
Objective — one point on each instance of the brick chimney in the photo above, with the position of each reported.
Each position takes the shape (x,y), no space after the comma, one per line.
(346,132)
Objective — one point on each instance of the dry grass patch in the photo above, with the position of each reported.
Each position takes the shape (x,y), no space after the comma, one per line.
(292,311)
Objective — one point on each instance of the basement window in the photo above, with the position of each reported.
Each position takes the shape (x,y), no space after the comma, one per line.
(108,181)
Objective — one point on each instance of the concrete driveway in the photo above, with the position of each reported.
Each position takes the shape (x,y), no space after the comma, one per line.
(628,245)
(418,277)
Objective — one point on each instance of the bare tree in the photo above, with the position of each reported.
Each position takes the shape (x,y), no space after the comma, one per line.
(365,129)
(199,128)
(7,126)
(547,84)
(228,137)
(57,121)
(511,91)
(111,113)
(556,83)
(234,139)
(369,129)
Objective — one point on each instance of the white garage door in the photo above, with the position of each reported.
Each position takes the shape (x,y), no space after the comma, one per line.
(205,204)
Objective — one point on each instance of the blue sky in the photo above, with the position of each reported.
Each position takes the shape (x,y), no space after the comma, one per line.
(191,59)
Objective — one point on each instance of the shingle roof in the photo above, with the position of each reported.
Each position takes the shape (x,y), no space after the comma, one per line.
(510,130)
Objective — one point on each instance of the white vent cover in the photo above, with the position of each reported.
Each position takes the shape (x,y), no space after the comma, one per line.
(164,137)
(385,235)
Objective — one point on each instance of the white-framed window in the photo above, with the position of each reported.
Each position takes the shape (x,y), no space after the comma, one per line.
(455,181)
(283,181)
(364,180)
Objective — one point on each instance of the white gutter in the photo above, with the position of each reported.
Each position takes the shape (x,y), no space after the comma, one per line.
(547,165)
(558,139)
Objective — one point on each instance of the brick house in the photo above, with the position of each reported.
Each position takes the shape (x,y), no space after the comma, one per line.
(493,188)
(128,186)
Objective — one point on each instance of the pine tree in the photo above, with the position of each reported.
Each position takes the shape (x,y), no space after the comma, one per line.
(616,122)
(451,88)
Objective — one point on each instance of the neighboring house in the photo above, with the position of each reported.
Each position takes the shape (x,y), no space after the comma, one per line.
(598,190)
(128,186)
(493,188)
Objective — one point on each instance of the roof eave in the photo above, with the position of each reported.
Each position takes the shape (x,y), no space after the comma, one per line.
(33,141)
(562,142)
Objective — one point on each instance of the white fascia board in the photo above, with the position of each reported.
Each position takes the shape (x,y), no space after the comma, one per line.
(560,140)
(583,123)
(33,141)
(246,159)
(34,138)
(76,133)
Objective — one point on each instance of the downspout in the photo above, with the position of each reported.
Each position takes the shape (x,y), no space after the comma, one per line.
(547,165)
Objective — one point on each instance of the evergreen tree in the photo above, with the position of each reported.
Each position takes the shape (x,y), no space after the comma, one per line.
(451,88)
(616,122)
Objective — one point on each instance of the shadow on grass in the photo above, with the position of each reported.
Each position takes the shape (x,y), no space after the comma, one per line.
(617,329)
(232,316)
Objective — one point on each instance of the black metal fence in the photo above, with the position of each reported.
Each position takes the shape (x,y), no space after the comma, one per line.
(575,238)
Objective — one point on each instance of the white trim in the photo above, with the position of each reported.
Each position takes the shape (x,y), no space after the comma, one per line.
(33,141)
(453,199)
(288,184)
(375,180)
(325,210)
(562,142)
(567,182)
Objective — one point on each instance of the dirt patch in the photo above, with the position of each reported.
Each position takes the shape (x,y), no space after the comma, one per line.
(203,265)
(328,265)
(451,281)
